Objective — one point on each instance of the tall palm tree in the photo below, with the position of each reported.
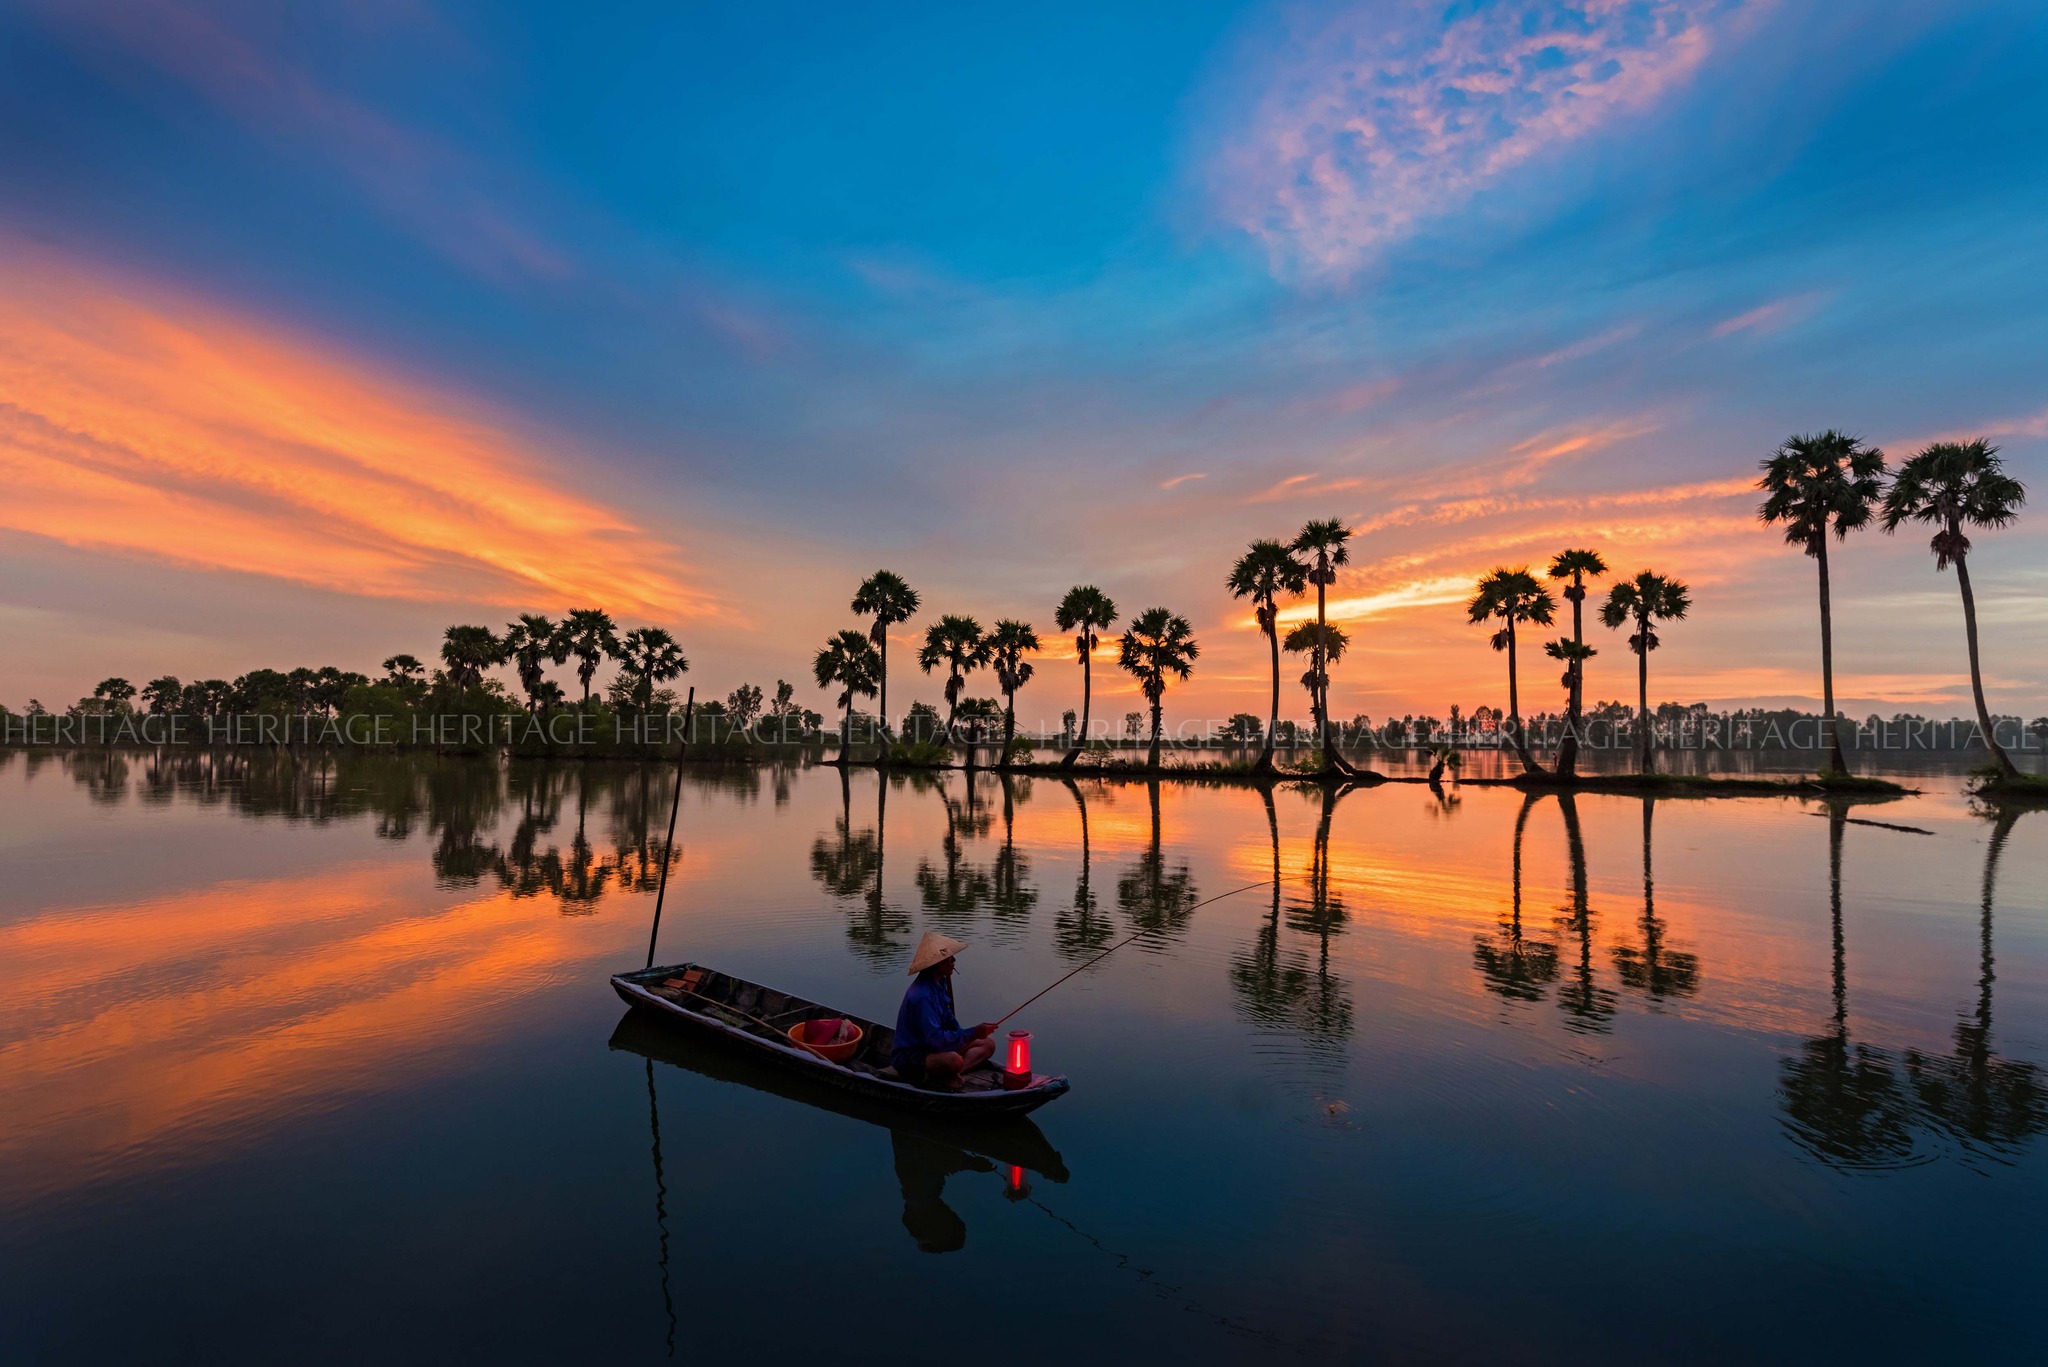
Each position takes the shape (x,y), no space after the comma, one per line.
(651,656)
(592,637)
(1007,645)
(1645,599)
(890,600)
(1954,485)
(1264,572)
(851,661)
(1159,645)
(468,652)
(1323,542)
(1513,596)
(1814,484)
(1577,566)
(529,643)
(957,643)
(1086,611)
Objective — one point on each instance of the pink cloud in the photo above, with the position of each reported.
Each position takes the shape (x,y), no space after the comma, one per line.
(1379,119)
(1766,318)
(1179,480)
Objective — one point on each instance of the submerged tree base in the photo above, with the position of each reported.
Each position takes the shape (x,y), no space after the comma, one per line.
(1996,783)
(1702,785)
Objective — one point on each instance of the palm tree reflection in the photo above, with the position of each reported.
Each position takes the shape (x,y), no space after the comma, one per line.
(1842,1100)
(848,865)
(1989,1105)
(1011,896)
(1080,932)
(1283,991)
(1588,1006)
(1510,964)
(1155,897)
(1654,970)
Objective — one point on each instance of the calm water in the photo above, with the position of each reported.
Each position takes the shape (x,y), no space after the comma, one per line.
(317,1062)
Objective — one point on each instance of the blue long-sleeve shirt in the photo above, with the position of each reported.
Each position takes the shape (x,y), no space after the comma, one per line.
(925,1024)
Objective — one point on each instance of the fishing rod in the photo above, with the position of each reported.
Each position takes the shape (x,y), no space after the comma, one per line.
(668,851)
(1121,943)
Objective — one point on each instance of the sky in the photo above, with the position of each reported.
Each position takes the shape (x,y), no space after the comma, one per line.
(325,327)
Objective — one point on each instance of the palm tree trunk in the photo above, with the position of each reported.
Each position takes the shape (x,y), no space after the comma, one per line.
(1153,762)
(846,732)
(2004,761)
(1515,704)
(1265,763)
(1643,695)
(1332,761)
(1073,755)
(882,700)
(1568,747)
(1836,764)
(1009,729)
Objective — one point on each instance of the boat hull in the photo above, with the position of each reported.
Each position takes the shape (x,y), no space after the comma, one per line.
(718,1010)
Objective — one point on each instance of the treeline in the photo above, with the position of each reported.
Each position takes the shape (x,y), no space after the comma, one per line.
(452,706)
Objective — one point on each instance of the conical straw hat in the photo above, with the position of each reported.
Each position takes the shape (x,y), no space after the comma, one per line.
(932,948)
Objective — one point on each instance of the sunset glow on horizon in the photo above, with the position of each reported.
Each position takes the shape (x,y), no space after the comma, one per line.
(300,364)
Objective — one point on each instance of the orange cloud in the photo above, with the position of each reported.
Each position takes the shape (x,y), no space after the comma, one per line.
(163,428)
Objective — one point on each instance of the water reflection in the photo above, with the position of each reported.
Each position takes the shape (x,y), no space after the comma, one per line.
(1278,989)
(1842,1099)
(1652,969)
(924,1153)
(1990,1105)
(1157,896)
(1079,932)
(1511,964)
(1587,1003)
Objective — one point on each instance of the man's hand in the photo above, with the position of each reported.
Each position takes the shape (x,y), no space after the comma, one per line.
(984,1030)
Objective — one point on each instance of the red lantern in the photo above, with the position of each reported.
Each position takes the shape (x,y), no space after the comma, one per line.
(1017,1067)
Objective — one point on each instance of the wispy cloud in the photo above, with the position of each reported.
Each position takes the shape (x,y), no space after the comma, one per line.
(1179,480)
(169,430)
(1767,318)
(1372,122)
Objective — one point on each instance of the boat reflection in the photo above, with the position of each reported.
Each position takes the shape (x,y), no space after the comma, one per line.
(926,1150)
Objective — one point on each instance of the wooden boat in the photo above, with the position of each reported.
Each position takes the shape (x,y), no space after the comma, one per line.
(757,1018)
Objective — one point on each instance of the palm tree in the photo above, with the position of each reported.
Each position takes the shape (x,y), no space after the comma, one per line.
(404,671)
(1264,572)
(890,600)
(592,637)
(1007,645)
(1513,596)
(162,695)
(1577,566)
(528,642)
(1158,646)
(1814,484)
(468,652)
(651,656)
(957,643)
(1085,611)
(1325,646)
(1956,485)
(1324,541)
(1644,599)
(851,661)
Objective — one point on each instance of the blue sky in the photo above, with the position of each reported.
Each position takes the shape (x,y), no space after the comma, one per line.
(776,294)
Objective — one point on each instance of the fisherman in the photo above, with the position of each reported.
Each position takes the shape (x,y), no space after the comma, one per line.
(930,1045)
